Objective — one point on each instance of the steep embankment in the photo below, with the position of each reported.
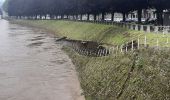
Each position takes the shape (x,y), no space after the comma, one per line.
(140,75)
(99,32)
(82,31)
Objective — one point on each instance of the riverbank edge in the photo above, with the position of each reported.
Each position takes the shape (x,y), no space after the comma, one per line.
(78,96)
(86,68)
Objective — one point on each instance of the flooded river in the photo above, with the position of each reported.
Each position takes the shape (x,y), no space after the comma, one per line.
(33,67)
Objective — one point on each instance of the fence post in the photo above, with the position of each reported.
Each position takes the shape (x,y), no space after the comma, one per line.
(124,25)
(98,53)
(145,41)
(157,43)
(126,47)
(136,27)
(138,43)
(141,28)
(109,51)
(101,51)
(117,49)
(131,26)
(106,51)
(113,49)
(121,48)
(80,51)
(148,28)
(156,29)
(168,29)
(165,30)
(132,45)
(167,40)
(163,33)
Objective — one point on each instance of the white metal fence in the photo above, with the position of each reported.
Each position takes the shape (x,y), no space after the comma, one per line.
(159,40)
(132,26)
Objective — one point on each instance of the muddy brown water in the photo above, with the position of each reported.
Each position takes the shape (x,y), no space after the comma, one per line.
(33,66)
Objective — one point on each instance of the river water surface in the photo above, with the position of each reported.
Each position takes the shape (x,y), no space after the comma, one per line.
(33,66)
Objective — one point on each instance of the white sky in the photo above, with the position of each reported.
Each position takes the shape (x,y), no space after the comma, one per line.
(2,0)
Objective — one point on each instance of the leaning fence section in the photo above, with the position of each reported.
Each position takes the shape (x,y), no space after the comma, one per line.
(136,43)
(156,37)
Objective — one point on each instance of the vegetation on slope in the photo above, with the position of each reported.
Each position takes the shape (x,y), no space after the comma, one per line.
(139,75)
(143,75)
(98,32)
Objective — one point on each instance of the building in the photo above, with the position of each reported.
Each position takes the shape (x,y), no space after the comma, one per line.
(148,14)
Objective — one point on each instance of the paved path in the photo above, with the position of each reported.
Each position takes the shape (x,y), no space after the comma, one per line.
(33,67)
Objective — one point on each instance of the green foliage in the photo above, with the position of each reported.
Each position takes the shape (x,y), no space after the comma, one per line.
(5,5)
(108,34)
(112,77)
(103,78)
(34,8)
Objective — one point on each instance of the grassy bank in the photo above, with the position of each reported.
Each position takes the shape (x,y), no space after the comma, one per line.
(143,75)
(140,75)
(98,32)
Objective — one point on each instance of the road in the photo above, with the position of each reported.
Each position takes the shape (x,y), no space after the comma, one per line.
(33,66)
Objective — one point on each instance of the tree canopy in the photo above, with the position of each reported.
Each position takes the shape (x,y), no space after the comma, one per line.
(0,12)
(80,7)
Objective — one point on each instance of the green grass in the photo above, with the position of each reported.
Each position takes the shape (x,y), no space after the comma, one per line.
(81,31)
(139,75)
(103,78)
(98,32)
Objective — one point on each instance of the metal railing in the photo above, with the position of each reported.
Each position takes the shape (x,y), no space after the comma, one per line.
(132,26)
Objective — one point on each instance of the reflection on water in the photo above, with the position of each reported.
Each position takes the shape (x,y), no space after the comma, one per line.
(32,66)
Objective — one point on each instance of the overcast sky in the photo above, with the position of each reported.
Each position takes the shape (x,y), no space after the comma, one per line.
(2,0)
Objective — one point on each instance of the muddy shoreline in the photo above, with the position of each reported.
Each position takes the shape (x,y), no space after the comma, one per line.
(33,66)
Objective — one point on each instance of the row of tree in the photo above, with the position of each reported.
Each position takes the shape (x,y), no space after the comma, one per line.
(81,7)
(1,7)
(0,12)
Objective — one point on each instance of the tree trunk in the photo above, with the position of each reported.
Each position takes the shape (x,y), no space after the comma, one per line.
(160,17)
(81,16)
(124,17)
(40,17)
(139,15)
(67,16)
(103,16)
(62,16)
(77,17)
(112,16)
(88,16)
(95,16)
(51,17)
(36,17)
(98,18)
(56,17)
(45,17)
